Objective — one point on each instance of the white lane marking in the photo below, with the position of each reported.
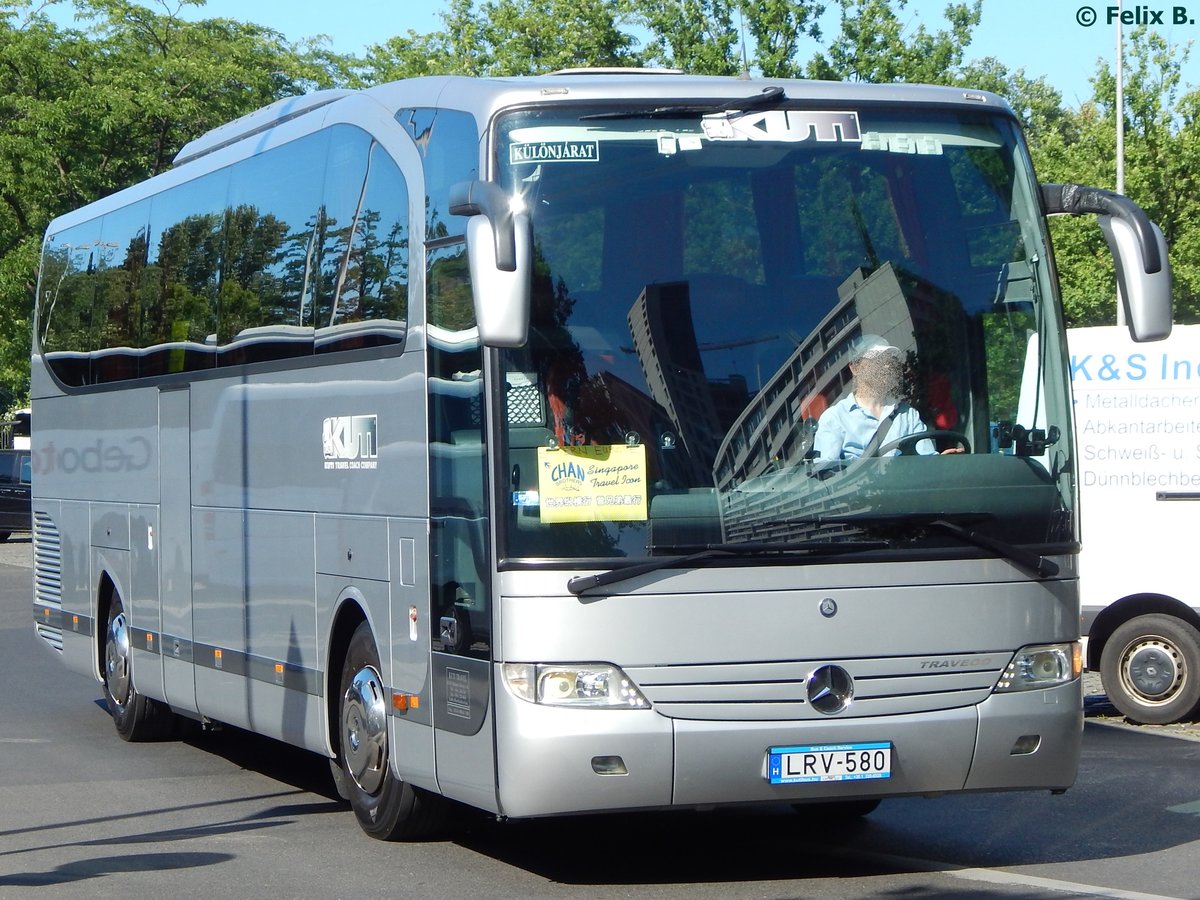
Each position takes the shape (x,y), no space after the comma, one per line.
(994,876)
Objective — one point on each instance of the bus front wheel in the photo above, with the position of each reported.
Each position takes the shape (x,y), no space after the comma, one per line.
(1151,669)
(136,717)
(387,807)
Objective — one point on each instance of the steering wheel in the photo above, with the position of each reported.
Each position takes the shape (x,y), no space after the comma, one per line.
(907,445)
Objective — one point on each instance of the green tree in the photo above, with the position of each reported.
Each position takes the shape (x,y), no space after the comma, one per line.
(455,50)
(533,36)
(697,36)
(506,37)
(726,37)
(874,45)
(1036,103)
(1162,156)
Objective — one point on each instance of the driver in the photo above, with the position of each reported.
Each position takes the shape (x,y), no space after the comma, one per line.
(872,414)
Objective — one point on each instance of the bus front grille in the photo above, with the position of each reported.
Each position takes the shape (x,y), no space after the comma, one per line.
(47,579)
(777,691)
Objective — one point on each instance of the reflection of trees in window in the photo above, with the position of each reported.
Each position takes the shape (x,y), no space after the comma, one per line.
(321,262)
(119,296)
(55,265)
(449,291)
(1006,340)
(573,243)
(188,269)
(721,230)
(848,217)
(69,289)
(255,289)
(983,181)
(269,261)
(376,278)
(368,258)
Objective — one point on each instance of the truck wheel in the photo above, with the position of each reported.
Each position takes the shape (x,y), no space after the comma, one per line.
(1151,669)
(136,717)
(387,807)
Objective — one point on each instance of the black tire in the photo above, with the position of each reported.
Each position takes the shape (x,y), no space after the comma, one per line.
(387,808)
(1151,669)
(836,812)
(4,536)
(136,717)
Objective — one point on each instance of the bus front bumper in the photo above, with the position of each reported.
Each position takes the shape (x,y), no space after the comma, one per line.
(554,761)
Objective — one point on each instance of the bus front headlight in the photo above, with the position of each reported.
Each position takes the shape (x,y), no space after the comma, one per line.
(590,685)
(1042,666)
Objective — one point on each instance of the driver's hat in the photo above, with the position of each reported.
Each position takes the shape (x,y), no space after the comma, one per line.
(870,346)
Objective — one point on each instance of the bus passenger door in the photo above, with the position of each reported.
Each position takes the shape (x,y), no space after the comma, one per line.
(460,566)
(175,545)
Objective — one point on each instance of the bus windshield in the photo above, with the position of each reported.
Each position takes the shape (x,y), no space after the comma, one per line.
(775,326)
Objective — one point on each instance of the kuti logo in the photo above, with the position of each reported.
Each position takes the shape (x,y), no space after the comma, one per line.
(350,442)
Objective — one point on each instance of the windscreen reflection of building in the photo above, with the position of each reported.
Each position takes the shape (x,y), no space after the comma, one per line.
(776,427)
(728,433)
(664,339)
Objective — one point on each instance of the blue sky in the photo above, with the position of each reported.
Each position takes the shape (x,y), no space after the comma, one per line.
(1044,37)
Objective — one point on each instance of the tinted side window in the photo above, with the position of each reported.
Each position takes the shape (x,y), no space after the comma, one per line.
(185,261)
(68,287)
(305,241)
(273,225)
(121,279)
(449,144)
(371,277)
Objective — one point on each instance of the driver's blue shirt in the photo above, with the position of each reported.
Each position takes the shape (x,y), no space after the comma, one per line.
(845,429)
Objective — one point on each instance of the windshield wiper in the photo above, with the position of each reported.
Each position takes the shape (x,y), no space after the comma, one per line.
(747,549)
(767,97)
(954,523)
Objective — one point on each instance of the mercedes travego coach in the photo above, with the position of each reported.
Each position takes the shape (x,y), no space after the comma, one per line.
(583,442)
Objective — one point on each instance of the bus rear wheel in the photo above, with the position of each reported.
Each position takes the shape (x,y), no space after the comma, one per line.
(136,717)
(1151,669)
(387,807)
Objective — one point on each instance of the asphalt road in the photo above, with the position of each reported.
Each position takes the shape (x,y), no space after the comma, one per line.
(83,814)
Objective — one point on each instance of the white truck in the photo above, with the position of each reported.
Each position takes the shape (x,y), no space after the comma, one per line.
(1137,419)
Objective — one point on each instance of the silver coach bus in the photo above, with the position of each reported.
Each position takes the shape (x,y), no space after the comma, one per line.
(475,435)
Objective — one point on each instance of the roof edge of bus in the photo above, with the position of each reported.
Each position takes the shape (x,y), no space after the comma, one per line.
(580,79)
(617,70)
(486,95)
(260,120)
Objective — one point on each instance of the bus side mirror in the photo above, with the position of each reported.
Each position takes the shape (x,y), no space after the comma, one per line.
(499,250)
(1139,251)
